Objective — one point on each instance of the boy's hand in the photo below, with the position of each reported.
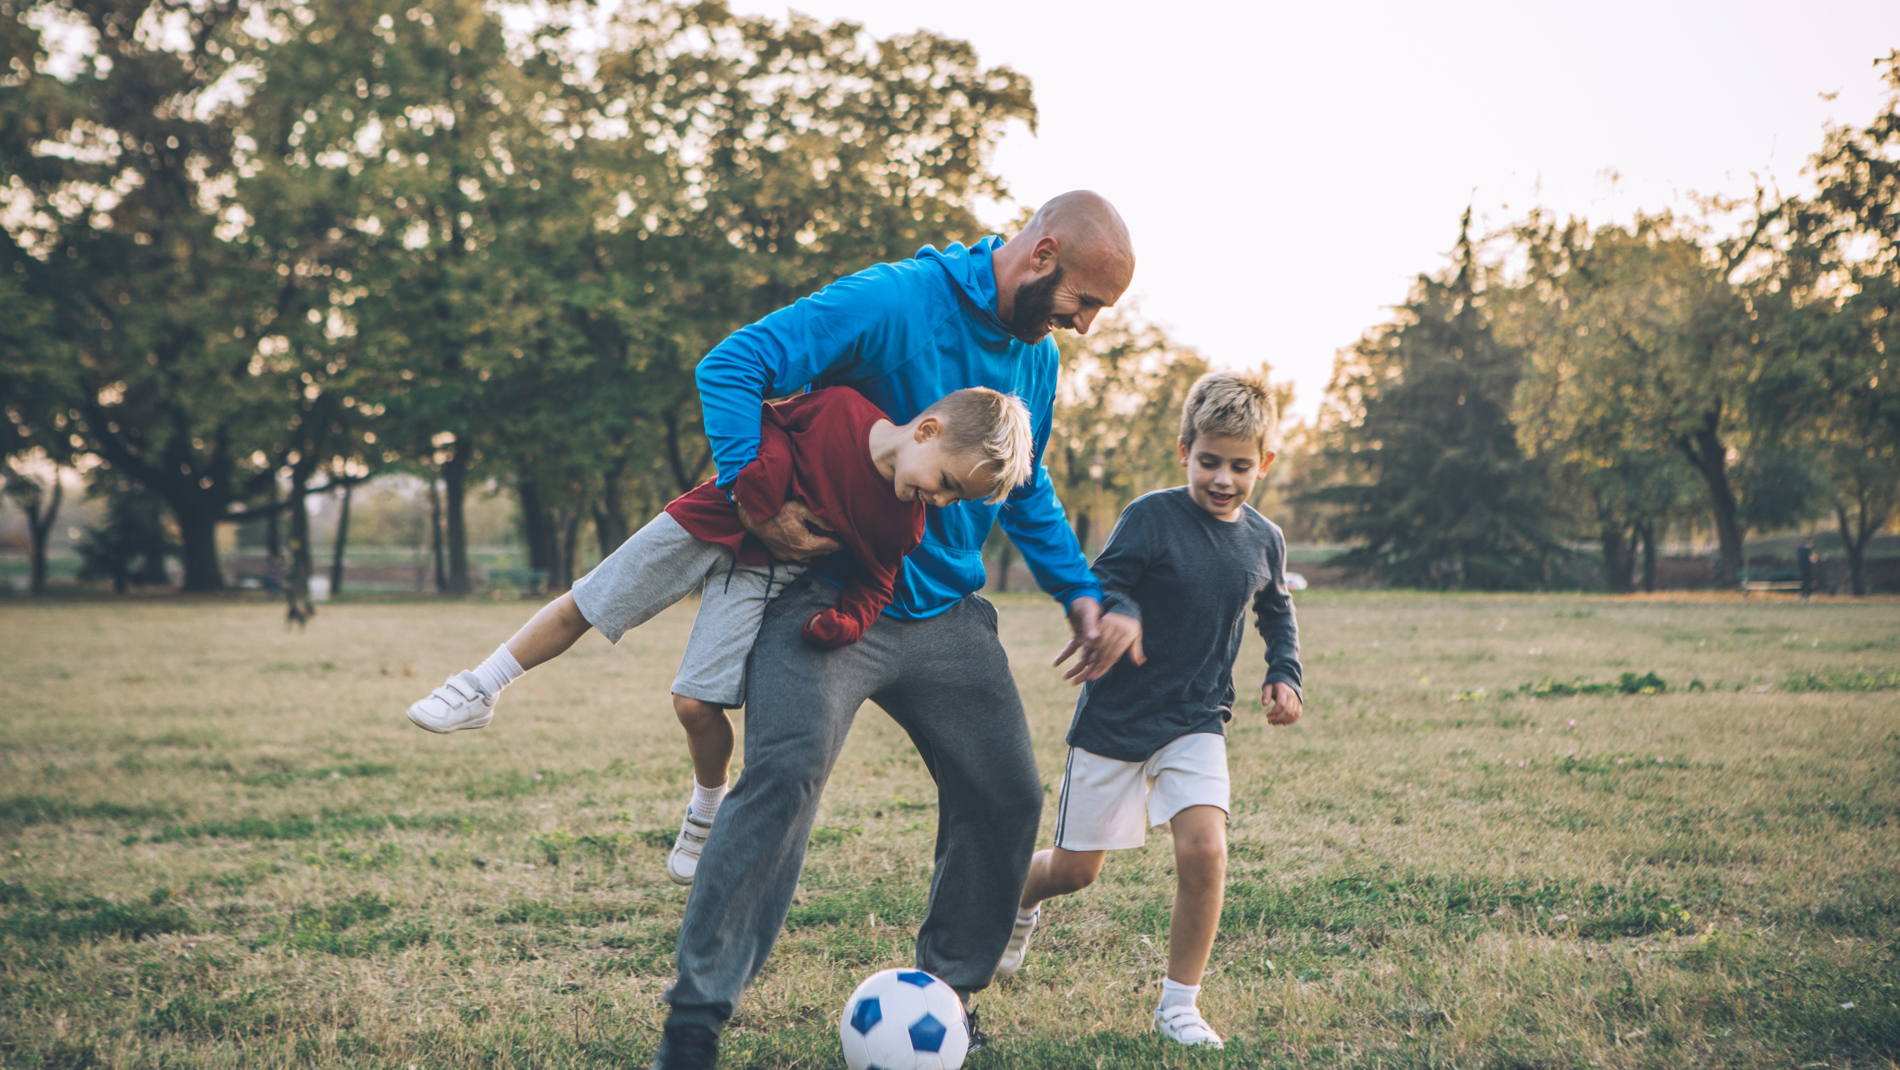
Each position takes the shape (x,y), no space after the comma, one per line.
(1102,638)
(1282,703)
(794,534)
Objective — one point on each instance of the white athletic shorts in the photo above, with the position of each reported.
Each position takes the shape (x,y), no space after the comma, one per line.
(1109,805)
(661,564)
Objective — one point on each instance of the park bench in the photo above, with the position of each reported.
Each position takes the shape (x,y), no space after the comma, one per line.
(257,581)
(529,580)
(1770,579)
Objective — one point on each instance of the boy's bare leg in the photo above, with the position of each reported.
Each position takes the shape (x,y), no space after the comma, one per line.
(1200,866)
(708,739)
(549,633)
(1060,871)
(467,699)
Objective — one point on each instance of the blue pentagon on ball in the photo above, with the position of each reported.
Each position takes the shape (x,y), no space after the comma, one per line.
(916,977)
(926,1033)
(868,1014)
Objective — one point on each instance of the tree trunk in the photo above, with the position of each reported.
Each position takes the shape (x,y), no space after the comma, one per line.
(1710,458)
(610,517)
(685,475)
(563,577)
(455,488)
(1618,562)
(297,584)
(1618,565)
(39,528)
(435,537)
(1002,571)
(273,533)
(535,527)
(1647,531)
(1082,531)
(342,539)
(1856,547)
(198,534)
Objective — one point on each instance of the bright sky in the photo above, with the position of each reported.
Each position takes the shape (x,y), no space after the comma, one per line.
(1287,170)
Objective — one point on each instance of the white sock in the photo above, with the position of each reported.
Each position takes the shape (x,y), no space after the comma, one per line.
(1177,995)
(705,804)
(1024,917)
(500,670)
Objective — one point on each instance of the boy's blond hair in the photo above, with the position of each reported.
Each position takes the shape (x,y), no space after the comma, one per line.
(994,427)
(1232,404)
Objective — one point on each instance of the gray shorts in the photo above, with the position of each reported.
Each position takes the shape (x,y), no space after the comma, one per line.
(660,565)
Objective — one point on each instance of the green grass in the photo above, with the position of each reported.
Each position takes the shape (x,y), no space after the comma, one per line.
(1842,680)
(1510,831)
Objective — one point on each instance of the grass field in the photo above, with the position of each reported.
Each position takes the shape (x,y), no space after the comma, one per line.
(222,845)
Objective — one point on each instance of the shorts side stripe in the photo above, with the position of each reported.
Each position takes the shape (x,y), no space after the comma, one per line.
(1062,804)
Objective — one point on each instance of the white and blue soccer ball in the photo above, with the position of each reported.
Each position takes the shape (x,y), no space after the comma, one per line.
(904,1020)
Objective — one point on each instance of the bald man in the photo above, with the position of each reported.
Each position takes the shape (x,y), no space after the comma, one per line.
(903,335)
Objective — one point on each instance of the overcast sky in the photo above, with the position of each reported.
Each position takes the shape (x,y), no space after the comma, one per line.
(1288,170)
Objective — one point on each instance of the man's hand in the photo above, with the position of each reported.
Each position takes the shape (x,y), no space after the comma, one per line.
(1102,639)
(794,534)
(1282,703)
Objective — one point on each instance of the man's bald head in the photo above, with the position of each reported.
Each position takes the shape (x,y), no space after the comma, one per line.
(1073,259)
(1090,230)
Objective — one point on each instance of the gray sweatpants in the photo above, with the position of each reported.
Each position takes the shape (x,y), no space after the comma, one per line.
(946,681)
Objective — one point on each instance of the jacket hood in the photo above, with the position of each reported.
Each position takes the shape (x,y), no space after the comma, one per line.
(969,267)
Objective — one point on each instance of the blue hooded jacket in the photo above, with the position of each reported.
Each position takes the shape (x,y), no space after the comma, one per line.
(904,335)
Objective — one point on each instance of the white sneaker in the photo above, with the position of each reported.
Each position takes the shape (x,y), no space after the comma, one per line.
(683,862)
(459,703)
(1185,1024)
(1018,945)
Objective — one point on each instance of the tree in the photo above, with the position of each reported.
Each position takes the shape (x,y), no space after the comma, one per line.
(34,446)
(1118,414)
(285,243)
(761,160)
(38,496)
(1613,475)
(130,545)
(1649,346)
(1427,476)
(449,199)
(1841,282)
(128,226)
(1859,438)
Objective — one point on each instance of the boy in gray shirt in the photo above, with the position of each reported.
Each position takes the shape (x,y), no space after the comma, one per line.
(1147,746)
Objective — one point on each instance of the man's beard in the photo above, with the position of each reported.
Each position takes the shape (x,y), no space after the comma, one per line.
(1035,303)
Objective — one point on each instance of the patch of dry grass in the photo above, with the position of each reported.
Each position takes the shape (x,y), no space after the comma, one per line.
(221,844)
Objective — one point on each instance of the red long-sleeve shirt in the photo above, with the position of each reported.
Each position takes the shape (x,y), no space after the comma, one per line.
(815,448)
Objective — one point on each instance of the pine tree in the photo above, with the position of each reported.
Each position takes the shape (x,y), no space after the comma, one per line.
(1432,488)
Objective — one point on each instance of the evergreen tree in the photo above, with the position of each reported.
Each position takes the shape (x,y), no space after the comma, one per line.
(130,545)
(1431,486)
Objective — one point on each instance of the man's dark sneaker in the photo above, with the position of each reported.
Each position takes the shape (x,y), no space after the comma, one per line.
(978,1039)
(687,1047)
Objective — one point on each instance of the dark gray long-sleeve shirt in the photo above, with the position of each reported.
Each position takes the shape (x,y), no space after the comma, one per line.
(1188,578)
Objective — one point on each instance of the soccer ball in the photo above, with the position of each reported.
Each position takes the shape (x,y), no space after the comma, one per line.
(904,1020)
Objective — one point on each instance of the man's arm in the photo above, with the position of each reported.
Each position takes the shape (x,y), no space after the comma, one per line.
(811,339)
(1118,568)
(1033,519)
(759,495)
(761,487)
(785,352)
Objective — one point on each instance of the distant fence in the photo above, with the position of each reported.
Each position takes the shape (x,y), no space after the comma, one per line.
(1677,573)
